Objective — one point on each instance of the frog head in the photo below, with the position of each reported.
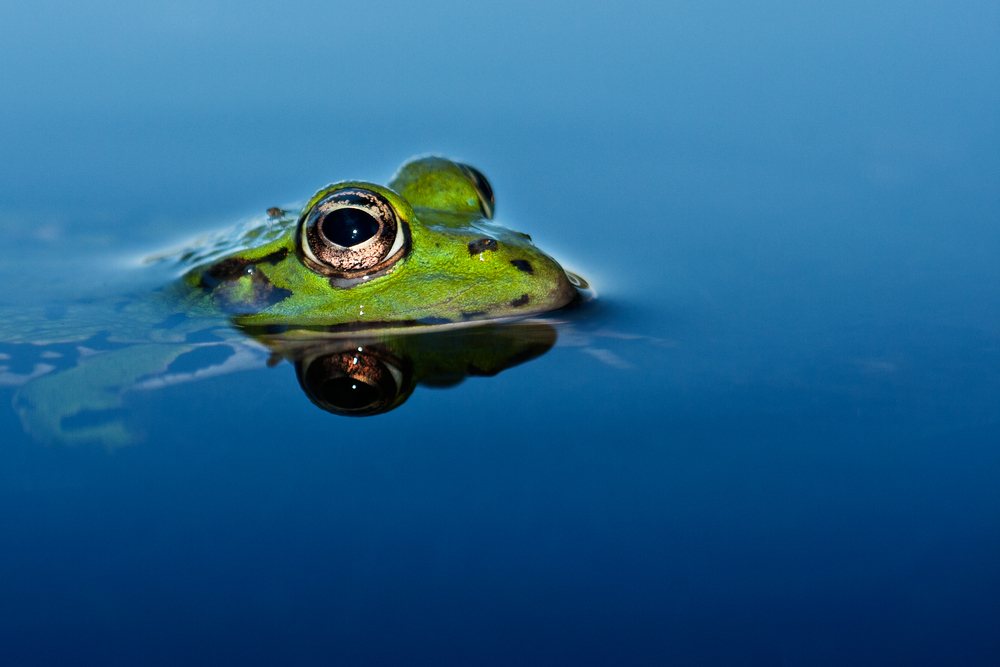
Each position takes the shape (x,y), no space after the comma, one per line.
(422,250)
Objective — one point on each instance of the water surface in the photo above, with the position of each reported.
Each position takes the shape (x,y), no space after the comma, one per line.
(771,440)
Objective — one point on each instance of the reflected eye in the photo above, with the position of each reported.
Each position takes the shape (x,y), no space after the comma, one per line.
(483,188)
(351,234)
(355,382)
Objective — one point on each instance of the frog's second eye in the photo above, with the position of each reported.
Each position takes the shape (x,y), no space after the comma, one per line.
(351,234)
(487,202)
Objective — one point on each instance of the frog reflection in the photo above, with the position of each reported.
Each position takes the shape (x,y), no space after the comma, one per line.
(363,376)
(357,375)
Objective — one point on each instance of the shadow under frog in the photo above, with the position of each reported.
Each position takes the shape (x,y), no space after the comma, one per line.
(351,375)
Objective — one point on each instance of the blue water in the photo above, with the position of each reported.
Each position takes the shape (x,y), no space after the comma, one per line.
(774,439)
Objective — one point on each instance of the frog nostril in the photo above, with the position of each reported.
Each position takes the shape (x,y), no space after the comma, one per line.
(482,245)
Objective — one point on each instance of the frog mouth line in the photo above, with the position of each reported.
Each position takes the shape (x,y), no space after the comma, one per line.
(446,302)
(417,325)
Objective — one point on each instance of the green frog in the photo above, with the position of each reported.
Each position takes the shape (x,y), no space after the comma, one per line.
(422,250)
(352,291)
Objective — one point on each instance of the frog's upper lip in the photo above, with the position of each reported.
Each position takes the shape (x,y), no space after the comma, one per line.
(443,302)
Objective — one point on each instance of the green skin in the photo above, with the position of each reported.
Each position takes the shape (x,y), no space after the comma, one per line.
(460,266)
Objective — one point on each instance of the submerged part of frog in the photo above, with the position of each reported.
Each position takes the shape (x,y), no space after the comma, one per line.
(86,401)
(422,250)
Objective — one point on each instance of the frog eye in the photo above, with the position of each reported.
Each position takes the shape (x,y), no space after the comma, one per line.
(351,234)
(487,202)
(357,382)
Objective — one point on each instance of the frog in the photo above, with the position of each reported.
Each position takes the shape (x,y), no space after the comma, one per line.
(358,290)
(423,250)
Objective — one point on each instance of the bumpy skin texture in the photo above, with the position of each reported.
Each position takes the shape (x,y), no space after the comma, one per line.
(460,266)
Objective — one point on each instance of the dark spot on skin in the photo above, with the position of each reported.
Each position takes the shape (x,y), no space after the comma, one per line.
(227,269)
(274,257)
(237,267)
(482,245)
(264,296)
(520,301)
(230,270)
(522,265)
(473,314)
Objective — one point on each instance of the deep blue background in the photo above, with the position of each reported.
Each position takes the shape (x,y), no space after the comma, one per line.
(775,441)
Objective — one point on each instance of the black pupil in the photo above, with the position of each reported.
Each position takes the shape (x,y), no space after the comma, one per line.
(348,393)
(348,226)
